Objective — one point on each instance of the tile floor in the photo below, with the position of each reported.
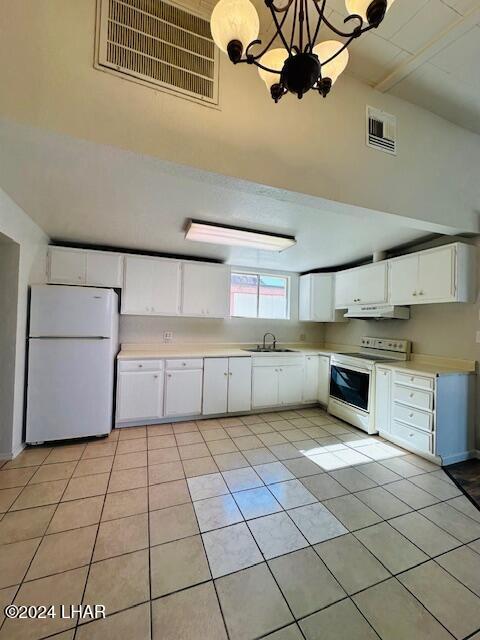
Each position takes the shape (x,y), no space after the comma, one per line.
(283,525)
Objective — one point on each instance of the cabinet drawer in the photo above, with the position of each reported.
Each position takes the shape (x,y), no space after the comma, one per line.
(419,419)
(140,365)
(189,363)
(413,397)
(418,439)
(412,380)
(277,361)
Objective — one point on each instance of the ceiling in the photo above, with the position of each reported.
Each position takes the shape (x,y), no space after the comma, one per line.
(425,51)
(82,192)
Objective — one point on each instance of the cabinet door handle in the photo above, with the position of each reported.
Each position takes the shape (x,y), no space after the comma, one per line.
(226,373)
(230,374)
(155,376)
(414,293)
(420,293)
(140,366)
(411,415)
(184,364)
(169,375)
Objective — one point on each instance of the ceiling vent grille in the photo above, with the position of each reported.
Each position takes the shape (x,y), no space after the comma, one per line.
(158,43)
(381,131)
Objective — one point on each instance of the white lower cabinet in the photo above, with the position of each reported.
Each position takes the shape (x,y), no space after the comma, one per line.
(215,386)
(264,387)
(323,379)
(227,385)
(310,384)
(139,395)
(383,400)
(290,384)
(183,389)
(239,384)
(277,381)
(426,414)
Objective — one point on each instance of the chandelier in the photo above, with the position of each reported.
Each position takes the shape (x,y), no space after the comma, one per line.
(303,62)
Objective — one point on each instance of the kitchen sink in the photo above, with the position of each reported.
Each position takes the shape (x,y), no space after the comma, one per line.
(268,350)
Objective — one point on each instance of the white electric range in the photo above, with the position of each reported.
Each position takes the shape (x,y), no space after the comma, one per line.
(352,379)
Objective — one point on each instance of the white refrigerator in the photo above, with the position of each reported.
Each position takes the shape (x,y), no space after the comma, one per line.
(73,343)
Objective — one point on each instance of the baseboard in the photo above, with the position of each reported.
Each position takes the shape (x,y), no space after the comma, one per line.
(10,455)
(460,457)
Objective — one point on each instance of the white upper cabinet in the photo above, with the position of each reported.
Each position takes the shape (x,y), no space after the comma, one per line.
(66,266)
(104,269)
(151,286)
(317,298)
(82,267)
(443,274)
(363,285)
(403,277)
(206,290)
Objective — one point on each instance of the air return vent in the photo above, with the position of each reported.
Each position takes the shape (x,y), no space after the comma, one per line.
(381,131)
(158,43)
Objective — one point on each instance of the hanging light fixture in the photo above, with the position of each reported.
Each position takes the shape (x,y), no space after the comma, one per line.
(304,61)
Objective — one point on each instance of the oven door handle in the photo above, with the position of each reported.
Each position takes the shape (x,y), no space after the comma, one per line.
(349,367)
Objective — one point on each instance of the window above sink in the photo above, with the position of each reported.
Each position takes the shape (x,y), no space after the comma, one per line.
(259,295)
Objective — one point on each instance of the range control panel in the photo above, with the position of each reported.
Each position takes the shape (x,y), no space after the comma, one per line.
(387,344)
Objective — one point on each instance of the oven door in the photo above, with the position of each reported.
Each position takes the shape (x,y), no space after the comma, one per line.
(350,385)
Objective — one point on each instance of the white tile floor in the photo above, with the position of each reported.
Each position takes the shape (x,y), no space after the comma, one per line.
(284,525)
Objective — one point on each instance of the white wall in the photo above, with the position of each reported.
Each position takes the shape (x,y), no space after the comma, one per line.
(16,225)
(9,270)
(149,330)
(315,147)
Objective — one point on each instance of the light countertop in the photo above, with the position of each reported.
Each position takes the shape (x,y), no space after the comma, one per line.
(419,364)
(432,366)
(161,351)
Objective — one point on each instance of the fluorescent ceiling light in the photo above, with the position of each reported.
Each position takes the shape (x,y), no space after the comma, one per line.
(237,237)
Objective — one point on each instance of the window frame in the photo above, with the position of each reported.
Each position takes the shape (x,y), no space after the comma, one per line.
(259,275)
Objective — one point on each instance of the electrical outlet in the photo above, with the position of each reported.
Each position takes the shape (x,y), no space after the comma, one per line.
(303,337)
(167,337)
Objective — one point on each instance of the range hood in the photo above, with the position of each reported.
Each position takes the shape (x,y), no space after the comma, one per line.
(379,312)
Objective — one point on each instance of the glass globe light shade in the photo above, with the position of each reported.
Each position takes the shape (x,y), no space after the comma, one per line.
(359,7)
(335,67)
(234,20)
(274,59)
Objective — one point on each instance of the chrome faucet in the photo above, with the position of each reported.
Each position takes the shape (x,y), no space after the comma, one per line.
(274,342)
